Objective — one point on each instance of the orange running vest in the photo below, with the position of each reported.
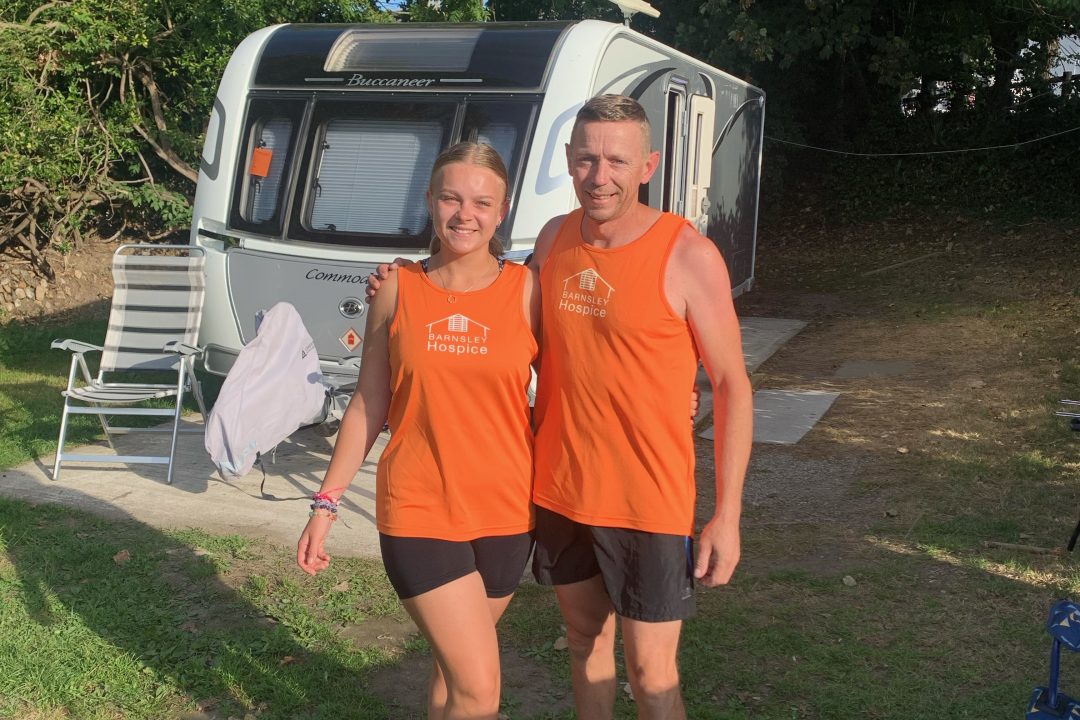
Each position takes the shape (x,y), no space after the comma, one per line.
(459,462)
(614,441)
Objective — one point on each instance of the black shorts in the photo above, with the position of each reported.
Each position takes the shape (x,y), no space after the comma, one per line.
(416,565)
(648,576)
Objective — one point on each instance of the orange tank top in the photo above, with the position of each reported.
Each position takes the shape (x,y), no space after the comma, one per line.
(614,441)
(459,462)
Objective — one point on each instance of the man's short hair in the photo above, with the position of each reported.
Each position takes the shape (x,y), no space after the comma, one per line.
(614,108)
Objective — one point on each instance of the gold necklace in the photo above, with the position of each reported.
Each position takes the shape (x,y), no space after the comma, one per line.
(451,297)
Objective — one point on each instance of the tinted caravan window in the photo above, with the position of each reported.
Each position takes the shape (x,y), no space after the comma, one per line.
(502,125)
(270,148)
(505,125)
(262,181)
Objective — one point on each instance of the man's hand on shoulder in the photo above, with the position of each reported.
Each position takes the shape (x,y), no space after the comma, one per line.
(374,281)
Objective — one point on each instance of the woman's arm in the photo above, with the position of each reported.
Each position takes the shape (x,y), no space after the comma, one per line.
(360,426)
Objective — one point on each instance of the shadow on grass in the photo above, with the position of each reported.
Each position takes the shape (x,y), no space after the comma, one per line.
(105,619)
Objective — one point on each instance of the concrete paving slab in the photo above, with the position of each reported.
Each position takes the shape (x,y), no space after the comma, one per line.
(784,416)
(200,497)
(761,337)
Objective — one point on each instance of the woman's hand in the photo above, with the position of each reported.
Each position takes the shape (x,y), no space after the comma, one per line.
(311,556)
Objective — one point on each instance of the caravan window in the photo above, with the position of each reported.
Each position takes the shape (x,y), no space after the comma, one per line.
(372,175)
(269,141)
(367,163)
(368,167)
(504,125)
(500,124)
(269,150)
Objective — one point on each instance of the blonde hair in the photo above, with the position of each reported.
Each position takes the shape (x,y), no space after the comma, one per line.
(614,108)
(471,153)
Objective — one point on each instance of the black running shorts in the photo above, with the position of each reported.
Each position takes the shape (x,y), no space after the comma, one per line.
(416,565)
(648,576)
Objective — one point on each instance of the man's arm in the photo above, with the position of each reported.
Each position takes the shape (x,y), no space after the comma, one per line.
(697,284)
(545,241)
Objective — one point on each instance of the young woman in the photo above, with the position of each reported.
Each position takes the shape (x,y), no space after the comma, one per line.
(446,357)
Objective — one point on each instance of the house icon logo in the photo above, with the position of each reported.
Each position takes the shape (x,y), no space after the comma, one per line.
(458,323)
(587,294)
(457,334)
(591,282)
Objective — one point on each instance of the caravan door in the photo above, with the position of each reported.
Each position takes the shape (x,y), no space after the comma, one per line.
(687,155)
(702,114)
(673,158)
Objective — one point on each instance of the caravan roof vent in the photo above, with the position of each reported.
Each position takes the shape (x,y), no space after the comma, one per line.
(412,50)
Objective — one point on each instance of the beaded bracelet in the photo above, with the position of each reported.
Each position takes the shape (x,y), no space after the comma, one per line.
(322,512)
(325,496)
(324,500)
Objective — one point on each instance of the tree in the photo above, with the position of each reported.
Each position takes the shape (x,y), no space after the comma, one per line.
(103,105)
(838,63)
(445,11)
(555,10)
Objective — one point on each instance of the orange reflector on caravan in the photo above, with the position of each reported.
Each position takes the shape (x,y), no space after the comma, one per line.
(260,161)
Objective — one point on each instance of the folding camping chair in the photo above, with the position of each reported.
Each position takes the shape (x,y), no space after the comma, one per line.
(153,328)
(1071,411)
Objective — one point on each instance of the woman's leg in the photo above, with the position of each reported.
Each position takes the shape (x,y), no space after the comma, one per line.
(437,682)
(436,698)
(458,620)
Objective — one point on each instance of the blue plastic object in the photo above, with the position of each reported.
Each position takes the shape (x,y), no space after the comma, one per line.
(1047,703)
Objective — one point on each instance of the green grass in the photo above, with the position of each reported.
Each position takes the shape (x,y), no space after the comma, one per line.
(85,633)
(32,377)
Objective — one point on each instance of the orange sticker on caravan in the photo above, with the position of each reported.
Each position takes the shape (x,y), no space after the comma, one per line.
(351,339)
(260,161)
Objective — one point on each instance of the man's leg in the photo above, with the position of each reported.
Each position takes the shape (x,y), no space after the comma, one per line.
(651,649)
(590,634)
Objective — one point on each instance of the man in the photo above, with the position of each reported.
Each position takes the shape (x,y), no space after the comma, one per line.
(631,296)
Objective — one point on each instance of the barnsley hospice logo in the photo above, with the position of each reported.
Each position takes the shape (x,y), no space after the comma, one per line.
(586,293)
(458,335)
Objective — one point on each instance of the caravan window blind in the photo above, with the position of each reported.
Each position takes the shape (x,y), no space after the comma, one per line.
(372,174)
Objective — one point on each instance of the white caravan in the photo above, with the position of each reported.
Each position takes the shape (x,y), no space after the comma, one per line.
(322,138)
